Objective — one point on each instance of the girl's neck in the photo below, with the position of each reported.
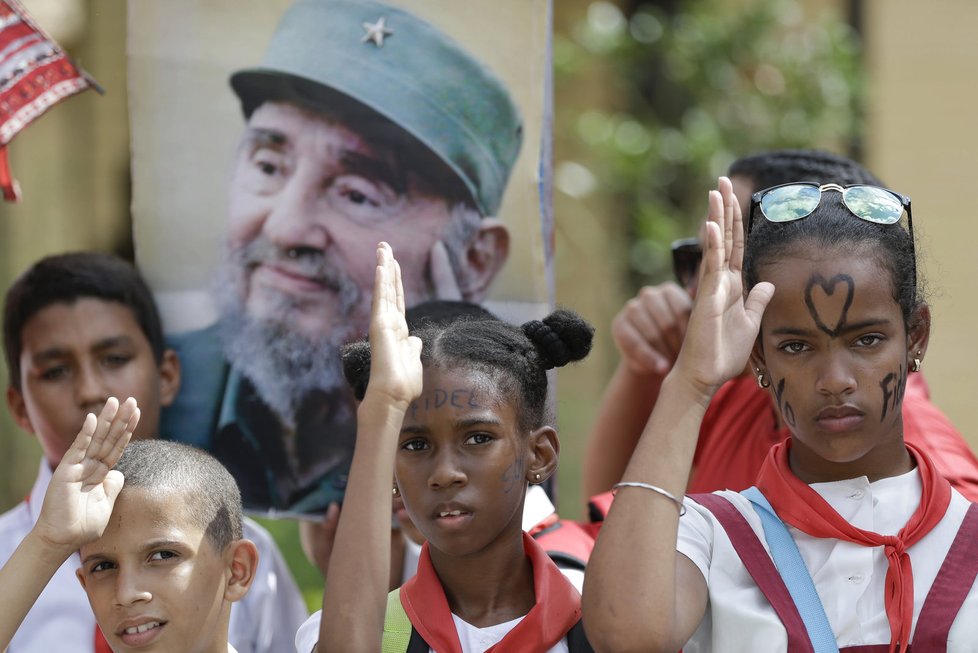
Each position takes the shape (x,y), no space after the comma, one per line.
(886,460)
(490,587)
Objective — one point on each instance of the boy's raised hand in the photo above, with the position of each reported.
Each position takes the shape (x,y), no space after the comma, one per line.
(79,500)
(395,356)
(723,325)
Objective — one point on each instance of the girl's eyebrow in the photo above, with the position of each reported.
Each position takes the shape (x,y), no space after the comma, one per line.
(846,328)
(469,422)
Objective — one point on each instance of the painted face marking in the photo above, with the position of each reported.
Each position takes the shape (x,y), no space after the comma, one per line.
(459,398)
(825,306)
(787,412)
(893,386)
(512,475)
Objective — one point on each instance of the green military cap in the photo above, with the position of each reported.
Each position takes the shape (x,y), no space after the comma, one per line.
(404,69)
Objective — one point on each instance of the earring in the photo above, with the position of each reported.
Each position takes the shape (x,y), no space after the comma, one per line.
(394,491)
(536,477)
(762,381)
(916,365)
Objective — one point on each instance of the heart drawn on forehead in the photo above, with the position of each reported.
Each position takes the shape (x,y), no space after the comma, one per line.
(827,303)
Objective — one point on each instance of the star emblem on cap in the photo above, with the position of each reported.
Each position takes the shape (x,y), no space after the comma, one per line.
(376,32)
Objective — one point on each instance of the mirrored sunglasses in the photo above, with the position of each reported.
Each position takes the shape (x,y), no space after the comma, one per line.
(798,200)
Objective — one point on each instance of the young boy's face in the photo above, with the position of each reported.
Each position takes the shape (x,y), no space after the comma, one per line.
(75,356)
(154,578)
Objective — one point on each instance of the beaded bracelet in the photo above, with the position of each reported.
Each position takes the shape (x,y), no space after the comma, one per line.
(654,488)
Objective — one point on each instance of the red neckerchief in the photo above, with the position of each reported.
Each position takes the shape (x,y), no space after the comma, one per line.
(802,507)
(101,646)
(557,607)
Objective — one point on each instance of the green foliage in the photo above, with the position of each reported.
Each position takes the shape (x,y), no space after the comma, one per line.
(694,89)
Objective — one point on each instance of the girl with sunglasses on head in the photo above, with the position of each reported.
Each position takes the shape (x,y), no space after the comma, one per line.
(742,423)
(456,414)
(850,537)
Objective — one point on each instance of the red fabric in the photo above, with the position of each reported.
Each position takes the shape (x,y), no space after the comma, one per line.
(101,646)
(38,75)
(802,507)
(740,427)
(557,607)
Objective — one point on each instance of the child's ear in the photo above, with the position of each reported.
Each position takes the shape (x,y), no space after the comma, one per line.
(169,377)
(242,564)
(758,363)
(544,451)
(919,334)
(18,408)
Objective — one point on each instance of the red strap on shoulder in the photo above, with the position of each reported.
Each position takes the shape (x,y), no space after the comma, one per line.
(761,568)
(950,588)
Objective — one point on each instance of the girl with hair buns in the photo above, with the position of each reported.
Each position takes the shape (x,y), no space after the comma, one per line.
(457,414)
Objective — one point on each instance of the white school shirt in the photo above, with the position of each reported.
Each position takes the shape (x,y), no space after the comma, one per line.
(849,578)
(536,508)
(264,621)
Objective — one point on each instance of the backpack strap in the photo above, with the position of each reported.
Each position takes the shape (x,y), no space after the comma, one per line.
(950,588)
(794,573)
(760,567)
(397,626)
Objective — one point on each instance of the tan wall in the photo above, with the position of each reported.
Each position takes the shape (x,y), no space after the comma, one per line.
(921,138)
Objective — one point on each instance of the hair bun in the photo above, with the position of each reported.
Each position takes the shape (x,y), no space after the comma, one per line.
(560,338)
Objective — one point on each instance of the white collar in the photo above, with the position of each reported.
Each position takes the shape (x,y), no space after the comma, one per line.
(536,507)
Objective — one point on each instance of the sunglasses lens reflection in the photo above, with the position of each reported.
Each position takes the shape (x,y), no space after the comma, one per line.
(790,202)
(873,204)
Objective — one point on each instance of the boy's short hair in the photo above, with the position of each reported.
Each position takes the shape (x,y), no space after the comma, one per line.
(66,278)
(213,501)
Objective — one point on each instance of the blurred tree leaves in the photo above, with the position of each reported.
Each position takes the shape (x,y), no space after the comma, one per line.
(698,83)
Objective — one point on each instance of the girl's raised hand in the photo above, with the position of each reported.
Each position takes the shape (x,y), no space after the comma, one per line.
(395,356)
(79,500)
(723,325)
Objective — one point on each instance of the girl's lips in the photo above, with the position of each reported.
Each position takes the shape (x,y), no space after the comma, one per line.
(838,419)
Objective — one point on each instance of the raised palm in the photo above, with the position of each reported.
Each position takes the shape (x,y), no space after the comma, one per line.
(395,356)
(83,489)
(723,325)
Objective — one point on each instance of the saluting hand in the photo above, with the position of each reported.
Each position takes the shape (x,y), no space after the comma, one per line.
(395,356)
(723,325)
(79,500)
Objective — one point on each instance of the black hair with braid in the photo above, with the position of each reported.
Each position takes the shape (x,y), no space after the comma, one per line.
(515,359)
(775,167)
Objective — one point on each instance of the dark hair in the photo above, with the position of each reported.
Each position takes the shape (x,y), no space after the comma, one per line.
(515,358)
(443,312)
(212,500)
(66,278)
(775,167)
(831,227)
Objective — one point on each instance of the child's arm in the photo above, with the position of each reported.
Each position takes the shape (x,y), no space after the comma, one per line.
(359,567)
(639,594)
(76,509)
